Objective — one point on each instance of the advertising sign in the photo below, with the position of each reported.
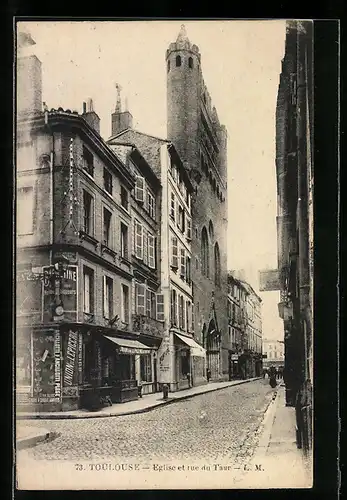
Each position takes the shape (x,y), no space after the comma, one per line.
(164,354)
(46,366)
(60,288)
(70,359)
(269,281)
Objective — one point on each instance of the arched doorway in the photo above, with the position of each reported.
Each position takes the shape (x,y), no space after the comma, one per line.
(212,350)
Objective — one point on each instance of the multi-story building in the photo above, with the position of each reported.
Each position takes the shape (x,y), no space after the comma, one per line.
(201,141)
(273,352)
(245,329)
(76,335)
(294,139)
(181,360)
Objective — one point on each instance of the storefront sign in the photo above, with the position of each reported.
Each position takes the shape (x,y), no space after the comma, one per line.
(70,358)
(80,358)
(57,358)
(269,281)
(66,286)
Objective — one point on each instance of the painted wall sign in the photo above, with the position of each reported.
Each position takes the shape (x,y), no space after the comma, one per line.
(46,366)
(80,358)
(70,359)
(164,355)
(68,292)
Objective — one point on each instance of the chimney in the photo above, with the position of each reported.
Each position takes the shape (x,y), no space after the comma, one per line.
(121,120)
(29,76)
(90,116)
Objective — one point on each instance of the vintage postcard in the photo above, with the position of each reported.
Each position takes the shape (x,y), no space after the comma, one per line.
(164,254)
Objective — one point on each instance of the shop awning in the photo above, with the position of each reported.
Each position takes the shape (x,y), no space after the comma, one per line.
(195,348)
(129,346)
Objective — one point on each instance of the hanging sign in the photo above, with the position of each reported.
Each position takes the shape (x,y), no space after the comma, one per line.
(63,286)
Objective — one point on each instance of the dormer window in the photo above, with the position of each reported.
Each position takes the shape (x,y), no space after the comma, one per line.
(178,61)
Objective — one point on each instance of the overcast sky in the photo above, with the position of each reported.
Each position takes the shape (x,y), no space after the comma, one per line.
(241,63)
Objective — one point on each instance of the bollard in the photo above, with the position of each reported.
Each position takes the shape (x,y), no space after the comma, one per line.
(165,391)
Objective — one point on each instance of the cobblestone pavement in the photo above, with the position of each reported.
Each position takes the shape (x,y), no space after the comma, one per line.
(221,425)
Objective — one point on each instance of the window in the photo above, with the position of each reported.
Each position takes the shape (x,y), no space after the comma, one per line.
(216,265)
(168,65)
(25,214)
(183,263)
(173,307)
(151,251)
(87,213)
(172,208)
(146,367)
(107,227)
(174,252)
(190,62)
(205,268)
(140,189)
(150,205)
(211,230)
(151,304)
(124,197)
(174,171)
(88,290)
(180,311)
(123,240)
(178,61)
(88,161)
(193,319)
(160,307)
(188,270)
(108,297)
(107,181)
(181,219)
(125,304)
(189,229)
(138,240)
(140,299)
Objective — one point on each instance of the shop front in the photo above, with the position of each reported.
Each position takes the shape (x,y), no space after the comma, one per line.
(195,364)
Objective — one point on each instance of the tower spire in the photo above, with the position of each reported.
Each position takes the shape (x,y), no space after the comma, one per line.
(182,35)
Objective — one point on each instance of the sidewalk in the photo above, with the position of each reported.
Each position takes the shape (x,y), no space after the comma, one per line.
(27,437)
(141,405)
(282,464)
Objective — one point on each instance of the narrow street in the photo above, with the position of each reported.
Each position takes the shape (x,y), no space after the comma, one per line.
(221,425)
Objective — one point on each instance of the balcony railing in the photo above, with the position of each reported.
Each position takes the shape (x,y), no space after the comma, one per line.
(144,324)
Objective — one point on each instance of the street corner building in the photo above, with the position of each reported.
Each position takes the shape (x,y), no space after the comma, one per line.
(121,246)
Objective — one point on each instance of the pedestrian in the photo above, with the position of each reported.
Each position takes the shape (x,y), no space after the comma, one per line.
(272,375)
(208,374)
(188,378)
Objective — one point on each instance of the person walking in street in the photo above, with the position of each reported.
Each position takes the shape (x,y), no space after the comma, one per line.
(272,375)
(208,374)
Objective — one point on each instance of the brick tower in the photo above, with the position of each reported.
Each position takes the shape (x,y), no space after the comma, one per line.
(193,126)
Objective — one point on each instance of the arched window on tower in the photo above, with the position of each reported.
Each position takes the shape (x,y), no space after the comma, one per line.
(205,267)
(211,230)
(216,265)
(190,62)
(178,61)
(168,65)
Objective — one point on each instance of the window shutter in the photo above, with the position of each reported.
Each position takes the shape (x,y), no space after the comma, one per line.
(183,313)
(180,311)
(189,229)
(140,189)
(148,303)
(105,297)
(151,254)
(140,299)
(174,249)
(173,206)
(86,293)
(145,246)
(160,307)
(188,315)
(138,241)
(183,263)
(193,319)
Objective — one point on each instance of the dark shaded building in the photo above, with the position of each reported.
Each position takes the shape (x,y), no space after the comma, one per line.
(294,164)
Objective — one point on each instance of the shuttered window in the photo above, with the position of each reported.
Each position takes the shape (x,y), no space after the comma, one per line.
(140,299)
(140,189)
(138,240)
(174,252)
(151,251)
(160,307)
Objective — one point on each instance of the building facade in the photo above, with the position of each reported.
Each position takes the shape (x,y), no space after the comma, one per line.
(245,329)
(201,141)
(78,338)
(273,351)
(294,167)
(181,360)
